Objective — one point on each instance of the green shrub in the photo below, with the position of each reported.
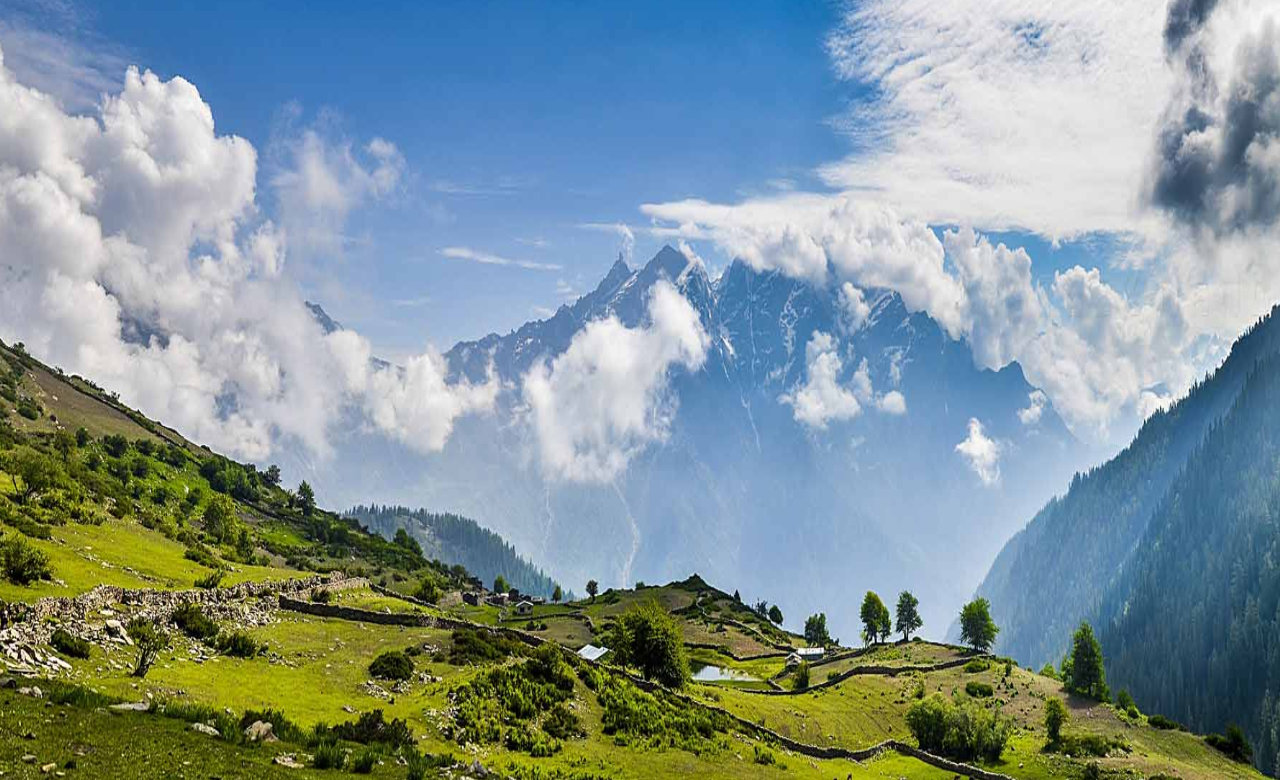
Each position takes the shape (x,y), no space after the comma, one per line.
(1055,717)
(329,755)
(192,621)
(149,641)
(963,732)
(979,690)
(321,596)
(373,728)
(1124,701)
(1233,744)
(28,527)
(238,644)
(115,445)
(1167,724)
(977,665)
(21,562)
(800,681)
(657,719)
(427,591)
(475,646)
(562,724)
(392,665)
(764,756)
(65,643)
(200,554)
(211,580)
(363,761)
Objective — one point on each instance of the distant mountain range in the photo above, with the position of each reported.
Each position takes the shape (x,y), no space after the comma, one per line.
(1172,549)
(741,491)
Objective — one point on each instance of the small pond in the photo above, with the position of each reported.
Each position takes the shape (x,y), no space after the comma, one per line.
(712,673)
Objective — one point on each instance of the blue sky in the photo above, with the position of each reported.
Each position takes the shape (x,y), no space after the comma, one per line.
(518,122)
(833,141)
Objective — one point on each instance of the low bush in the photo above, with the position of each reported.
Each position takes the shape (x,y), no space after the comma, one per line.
(965,732)
(202,555)
(499,705)
(392,665)
(800,681)
(321,596)
(238,644)
(474,646)
(427,591)
(65,643)
(562,724)
(211,580)
(764,756)
(373,728)
(28,527)
(654,719)
(977,665)
(979,690)
(1234,745)
(192,621)
(329,755)
(363,761)
(1166,724)
(21,562)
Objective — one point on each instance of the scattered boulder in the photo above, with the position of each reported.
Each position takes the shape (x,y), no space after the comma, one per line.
(289,760)
(205,729)
(32,691)
(258,731)
(132,706)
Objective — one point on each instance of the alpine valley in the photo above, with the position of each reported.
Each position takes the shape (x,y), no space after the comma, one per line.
(740,486)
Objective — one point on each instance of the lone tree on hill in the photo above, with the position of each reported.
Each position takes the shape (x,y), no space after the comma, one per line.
(557,594)
(648,638)
(32,473)
(775,615)
(815,630)
(593,588)
(909,620)
(306,499)
(500,584)
(1083,671)
(150,641)
(220,519)
(977,629)
(875,618)
(1055,717)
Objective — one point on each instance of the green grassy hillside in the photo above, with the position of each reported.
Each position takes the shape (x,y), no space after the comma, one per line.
(260,608)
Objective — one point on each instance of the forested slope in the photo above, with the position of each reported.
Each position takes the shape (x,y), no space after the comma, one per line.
(458,540)
(1055,571)
(1192,625)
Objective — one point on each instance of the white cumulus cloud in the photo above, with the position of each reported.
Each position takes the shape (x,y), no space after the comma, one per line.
(605,398)
(822,397)
(981,453)
(133,251)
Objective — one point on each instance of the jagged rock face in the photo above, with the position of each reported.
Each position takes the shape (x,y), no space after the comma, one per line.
(740,492)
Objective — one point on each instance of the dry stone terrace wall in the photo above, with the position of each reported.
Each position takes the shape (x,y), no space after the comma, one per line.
(25,629)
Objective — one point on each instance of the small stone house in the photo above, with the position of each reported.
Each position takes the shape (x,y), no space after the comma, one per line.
(524,608)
